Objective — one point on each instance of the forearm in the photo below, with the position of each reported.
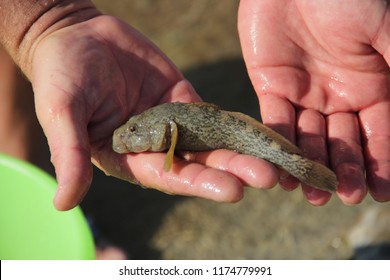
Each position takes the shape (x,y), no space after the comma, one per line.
(24,22)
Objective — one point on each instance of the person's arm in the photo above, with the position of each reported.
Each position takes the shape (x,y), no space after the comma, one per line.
(23,22)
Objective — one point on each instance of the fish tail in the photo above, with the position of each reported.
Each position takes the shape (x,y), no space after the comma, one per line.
(308,172)
(321,177)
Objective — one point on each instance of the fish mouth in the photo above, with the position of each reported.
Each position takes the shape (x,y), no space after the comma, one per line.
(118,146)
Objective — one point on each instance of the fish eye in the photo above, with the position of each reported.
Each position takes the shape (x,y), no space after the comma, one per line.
(132,128)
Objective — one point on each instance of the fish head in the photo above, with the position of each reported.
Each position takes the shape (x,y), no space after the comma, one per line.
(137,136)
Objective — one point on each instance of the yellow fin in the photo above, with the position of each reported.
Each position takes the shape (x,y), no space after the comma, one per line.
(171,151)
(281,140)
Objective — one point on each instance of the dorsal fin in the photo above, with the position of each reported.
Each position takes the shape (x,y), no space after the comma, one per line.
(206,104)
(282,141)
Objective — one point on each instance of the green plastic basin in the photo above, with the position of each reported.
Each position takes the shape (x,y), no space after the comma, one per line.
(30,226)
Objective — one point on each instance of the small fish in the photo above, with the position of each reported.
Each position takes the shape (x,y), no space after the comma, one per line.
(203,127)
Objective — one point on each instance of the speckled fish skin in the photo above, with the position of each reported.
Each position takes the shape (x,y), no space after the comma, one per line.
(203,127)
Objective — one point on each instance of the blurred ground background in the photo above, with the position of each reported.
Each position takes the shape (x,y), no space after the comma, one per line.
(201,38)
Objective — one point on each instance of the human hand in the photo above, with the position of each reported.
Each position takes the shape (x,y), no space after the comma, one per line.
(88,79)
(321,72)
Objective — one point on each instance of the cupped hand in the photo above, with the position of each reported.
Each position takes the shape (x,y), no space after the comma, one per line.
(321,72)
(88,79)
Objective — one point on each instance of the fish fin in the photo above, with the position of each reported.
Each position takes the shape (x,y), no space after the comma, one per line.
(206,104)
(171,151)
(322,177)
(285,144)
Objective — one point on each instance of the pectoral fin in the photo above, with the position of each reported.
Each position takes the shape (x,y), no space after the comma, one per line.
(171,151)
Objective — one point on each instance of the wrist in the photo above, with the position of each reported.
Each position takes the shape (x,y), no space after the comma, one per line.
(25,22)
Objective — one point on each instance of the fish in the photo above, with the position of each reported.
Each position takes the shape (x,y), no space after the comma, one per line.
(202,126)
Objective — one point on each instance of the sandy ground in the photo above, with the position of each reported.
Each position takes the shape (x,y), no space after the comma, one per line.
(201,38)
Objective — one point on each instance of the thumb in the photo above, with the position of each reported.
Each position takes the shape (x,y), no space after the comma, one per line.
(65,126)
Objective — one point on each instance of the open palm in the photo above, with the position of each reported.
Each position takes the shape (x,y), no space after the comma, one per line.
(321,71)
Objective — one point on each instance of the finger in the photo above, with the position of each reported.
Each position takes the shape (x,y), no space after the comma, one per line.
(311,138)
(184,178)
(376,139)
(251,171)
(70,153)
(181,91)
(279,114)
(347,157)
